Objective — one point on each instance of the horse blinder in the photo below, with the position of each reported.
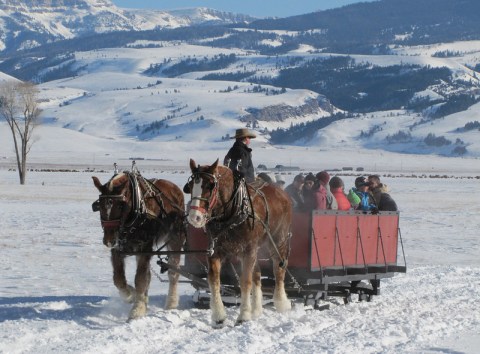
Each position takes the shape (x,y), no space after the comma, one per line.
(111,210)
(96,206)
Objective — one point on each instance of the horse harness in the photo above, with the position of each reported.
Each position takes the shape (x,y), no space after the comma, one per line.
(240,205)
(140,215)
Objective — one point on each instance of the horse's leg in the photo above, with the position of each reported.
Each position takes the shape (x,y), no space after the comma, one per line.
(179,234)
(127,292)
(248,264)
(172,297)
(257,296)
(142,283)
(280,300)
(216,304)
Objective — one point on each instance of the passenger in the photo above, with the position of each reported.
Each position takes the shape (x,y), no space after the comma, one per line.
(380,193)
(280,181)
(337,187)
(265,177)
(239,157)
(295,191)
(367,203)
(323,177)
(314,193)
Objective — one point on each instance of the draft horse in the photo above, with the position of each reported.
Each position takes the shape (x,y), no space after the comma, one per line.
(138,215)
(239,218)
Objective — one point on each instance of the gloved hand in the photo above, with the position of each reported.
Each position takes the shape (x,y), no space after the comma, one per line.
(238,174)
(374,211)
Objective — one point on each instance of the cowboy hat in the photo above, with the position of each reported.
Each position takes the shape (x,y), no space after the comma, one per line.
(243,133)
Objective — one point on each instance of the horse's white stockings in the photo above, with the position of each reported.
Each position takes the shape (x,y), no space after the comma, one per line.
(280,300)
(257,298)
(139,308)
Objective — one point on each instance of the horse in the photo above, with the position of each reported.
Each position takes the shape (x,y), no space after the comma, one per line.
(138,214)
(239,218)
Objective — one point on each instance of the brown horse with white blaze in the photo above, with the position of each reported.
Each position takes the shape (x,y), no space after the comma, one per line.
(137,215)
(239,218)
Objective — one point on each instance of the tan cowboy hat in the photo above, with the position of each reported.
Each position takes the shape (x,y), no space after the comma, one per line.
(243,133)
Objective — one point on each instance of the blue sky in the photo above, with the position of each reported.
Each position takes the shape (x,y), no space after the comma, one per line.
(258,8)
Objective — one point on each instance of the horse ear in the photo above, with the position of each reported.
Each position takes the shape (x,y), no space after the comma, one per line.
(192,165)
(213,168)
(97,183)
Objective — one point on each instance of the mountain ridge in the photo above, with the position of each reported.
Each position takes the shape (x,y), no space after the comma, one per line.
(26,23)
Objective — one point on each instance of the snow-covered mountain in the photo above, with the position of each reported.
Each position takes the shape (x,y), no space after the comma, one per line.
(114,105)
(30,23)
(170,91)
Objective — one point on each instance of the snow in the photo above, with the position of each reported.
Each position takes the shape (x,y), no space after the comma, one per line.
(57,294)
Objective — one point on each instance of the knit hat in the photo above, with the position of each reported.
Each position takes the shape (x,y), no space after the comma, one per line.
(360,182)
(323,177)
(310,177)
(336,182)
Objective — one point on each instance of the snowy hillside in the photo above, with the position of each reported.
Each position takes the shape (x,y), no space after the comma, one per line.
(112,98)
(25,23)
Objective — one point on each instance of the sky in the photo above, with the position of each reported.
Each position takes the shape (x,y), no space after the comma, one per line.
(265,8)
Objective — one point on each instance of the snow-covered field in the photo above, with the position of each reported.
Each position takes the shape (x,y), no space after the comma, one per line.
(57,296)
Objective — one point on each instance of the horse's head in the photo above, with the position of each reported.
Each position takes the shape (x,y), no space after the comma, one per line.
(206,190)
(114,204)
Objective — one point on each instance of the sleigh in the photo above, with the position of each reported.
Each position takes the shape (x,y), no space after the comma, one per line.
(333,254)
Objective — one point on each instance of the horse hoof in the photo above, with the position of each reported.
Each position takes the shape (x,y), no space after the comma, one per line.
(218,324)
(240,322)
(138,310)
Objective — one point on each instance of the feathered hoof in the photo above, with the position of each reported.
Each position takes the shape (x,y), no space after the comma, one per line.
(257,313)
(139,310)
(171,304)
(128,294)
(239,322)
(218,324)
(282,305)
(244,317)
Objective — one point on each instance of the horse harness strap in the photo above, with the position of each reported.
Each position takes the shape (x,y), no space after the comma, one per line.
(240,209)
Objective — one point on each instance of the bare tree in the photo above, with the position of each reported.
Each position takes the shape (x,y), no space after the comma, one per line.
(20,109)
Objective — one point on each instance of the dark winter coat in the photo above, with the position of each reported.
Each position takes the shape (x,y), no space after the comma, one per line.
(239,158)
(383,200)
(296,195)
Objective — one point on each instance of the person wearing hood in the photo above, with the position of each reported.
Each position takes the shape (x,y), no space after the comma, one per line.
(380,193)
(323,178)
(314,193)
(239,157)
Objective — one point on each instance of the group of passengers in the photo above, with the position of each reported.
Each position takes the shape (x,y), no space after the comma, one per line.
(313,191)
(322,192)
